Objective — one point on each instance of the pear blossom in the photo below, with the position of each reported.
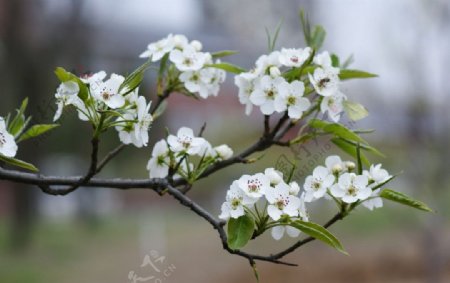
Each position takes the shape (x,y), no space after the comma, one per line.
(334,105)
(144,120)
(8,146)
(246,84)
(277,232)
(126,128)
(275,177)
(205,82)
(325,81)
(185,141)
(264,62)
(265,93)
(223,151)
(291,57)
(317,184)
(290,98)
(67,94)
(181,42)
(93,78)
(324,60)
(108,91)
(157,50)
(335,165)
(374,201)
(302,212)
(351,188)
(281,202)
(236,199)
(158,165)
(188,59)
(254,185)
(376,175)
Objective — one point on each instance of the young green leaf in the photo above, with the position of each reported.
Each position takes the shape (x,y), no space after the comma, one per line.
(349,149)
(404,199)
(335,61)
(133,80)
(320,233)
(227,67)
(355,111)
(19,122)
(318,37)
(223,53)
(365,147)
(240,231)
(18,163)
(36,130)
(355,74)
(306,27)
(318,124)
(343,132)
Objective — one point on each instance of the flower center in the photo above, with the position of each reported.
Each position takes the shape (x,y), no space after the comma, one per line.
(253,185)
(185,141)
(188,62)
(294,59)
(316,185)
(352,190)
(235,203)
(281,203)
(291,100)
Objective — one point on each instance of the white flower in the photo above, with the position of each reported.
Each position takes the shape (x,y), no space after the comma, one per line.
(180,41)
(93,78)
(275,177)
(8,146)
(236,199)
(290,57)
(205,82)
(376,175)
(108,91)
(277,232)
(223,151)
(197,45)
(316,185)
(144,120)
(188,59)
(302,212)
(334,164)
(246,84)
(265,93)
(254,185)
(351,188)
(281,202)
(126,128)
(290,98)
(324,60)
(325,81)
(158,49)
(294,188)
(158,165)
(264,62)
(67,94)
(374,201)
(334,105)
(186,142)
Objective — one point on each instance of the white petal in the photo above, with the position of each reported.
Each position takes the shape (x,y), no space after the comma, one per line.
(277,232)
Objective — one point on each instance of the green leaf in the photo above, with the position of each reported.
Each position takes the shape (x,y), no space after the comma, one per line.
(320,233)
(133,80)
(160,110)
(306,27)
(355,74)
(227,67)
(318,124)
(65,76)
(318,37)
(224,53)
(349,149)
(335,61)
(240,231)
(18,123)
(348,62)
(404,199)
(36,130)
(355,111)
(343,132)
(18,163)
(365,147)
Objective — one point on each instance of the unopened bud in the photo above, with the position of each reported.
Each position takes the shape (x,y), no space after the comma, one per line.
(274,71)
(350,165)
(336,169)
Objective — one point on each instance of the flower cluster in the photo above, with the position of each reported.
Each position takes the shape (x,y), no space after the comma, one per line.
(191,63)
(108,103)
(8,146)
(271,87)
(337,180)
(281,199)
(176,153)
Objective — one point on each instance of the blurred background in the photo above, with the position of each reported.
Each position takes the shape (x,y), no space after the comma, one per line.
(104,235)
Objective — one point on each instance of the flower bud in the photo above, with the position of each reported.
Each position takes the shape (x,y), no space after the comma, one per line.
(336,169)
(197,45)
(224,151)
(294,188)
(274,71)
(350,165)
